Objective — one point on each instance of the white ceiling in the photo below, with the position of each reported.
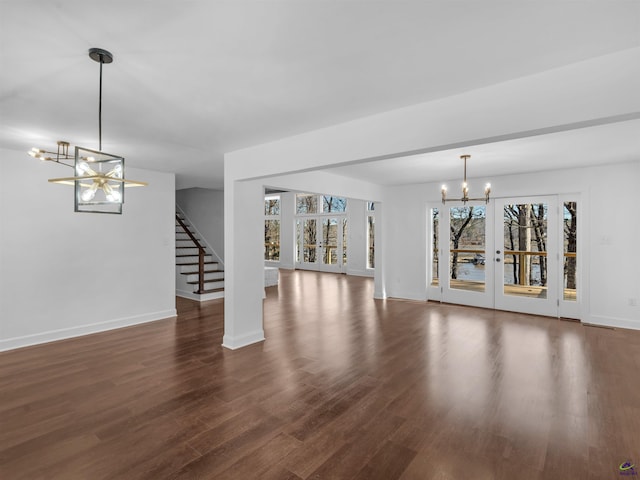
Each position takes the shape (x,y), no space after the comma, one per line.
(604,144)
(194,79)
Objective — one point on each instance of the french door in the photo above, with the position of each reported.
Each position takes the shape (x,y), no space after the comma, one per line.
(466,275)
(526,257)
(516,254)
(321,243)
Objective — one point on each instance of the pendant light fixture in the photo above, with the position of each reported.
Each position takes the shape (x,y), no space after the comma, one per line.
(465,188)
(98,178)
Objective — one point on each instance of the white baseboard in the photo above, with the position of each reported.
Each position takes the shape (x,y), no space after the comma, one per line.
(199,298)
(612,322)
(233,343)
(360,273)
(419,296)
(71,332)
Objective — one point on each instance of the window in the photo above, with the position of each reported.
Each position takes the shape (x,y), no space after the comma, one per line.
(344,241)
(334,204)
(272,205)
(467,248)
(435,220)
(272,228)
(306,204)
(321,232)
(371,222)
(569,220)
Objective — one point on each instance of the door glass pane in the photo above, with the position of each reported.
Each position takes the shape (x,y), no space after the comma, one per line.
(299,247)
(525,250)
(330,241)
(306,203)
(570,217)
(467,248)
(309,237)
(344,241)
(334,204)
(272,239)
(435,221)
(371,237)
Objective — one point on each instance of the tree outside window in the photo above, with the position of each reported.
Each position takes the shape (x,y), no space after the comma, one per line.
(272,228)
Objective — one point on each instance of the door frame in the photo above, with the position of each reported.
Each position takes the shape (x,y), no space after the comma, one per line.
(565,308)
(339,266)
(548,305)
(482,299)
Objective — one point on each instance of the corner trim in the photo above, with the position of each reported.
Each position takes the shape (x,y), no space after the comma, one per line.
(234,343)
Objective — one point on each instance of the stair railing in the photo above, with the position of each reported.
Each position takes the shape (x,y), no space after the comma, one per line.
(201,254)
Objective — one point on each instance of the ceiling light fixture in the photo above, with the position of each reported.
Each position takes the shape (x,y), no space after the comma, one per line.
(98,176)
(465,188)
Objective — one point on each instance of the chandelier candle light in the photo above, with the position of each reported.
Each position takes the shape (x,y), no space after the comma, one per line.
(98,176)
(465,188)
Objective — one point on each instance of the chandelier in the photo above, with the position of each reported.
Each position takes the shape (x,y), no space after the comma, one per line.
(98,177)
(465,188)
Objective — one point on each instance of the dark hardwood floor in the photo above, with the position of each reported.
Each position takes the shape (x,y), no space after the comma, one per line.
(344,387)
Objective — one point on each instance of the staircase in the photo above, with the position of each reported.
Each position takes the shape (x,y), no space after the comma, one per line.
(199,276)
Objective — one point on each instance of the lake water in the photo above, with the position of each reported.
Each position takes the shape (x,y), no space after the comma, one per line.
(469,271)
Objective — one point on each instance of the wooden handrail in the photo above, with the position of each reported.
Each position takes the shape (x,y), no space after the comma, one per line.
(201,254)
(511,252)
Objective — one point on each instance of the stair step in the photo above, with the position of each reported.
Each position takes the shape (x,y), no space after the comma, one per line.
(214,290)
(217,277)
(190,260)
(196,263)
(211,276)
(208,276)
(188,257)
(212,283)
(195,272)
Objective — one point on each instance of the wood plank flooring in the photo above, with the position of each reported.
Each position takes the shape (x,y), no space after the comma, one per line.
(344,387)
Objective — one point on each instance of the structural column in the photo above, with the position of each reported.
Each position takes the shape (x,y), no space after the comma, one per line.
(244,263)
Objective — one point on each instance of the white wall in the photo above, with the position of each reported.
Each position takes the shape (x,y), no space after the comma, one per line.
(64,274)
(613,234)
(608,197)
(205,208)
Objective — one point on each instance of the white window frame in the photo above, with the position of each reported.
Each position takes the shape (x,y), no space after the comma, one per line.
(369,213)
(275,217)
